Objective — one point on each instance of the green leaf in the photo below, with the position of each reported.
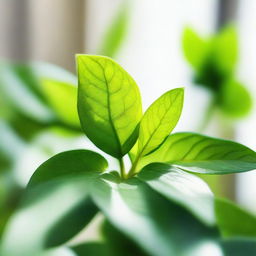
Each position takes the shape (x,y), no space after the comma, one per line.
(56,205)
(159,120)
(226,49)
(202,154)
(157,225)
(233,221)
(109,104)
(69,163)
(91,249)
(238,247)
(235,100)
(195,48)
(116,33)
(181,187)
(62,97)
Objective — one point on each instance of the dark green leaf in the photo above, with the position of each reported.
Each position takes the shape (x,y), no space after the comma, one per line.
(202,154)
(181,187)
(109,104)
(238,247)
(70,164)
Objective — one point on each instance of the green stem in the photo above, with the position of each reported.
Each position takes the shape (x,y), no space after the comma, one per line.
(133,168)
(122,169)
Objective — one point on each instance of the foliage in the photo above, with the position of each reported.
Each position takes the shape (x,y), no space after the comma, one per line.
(156,208)
(214,62)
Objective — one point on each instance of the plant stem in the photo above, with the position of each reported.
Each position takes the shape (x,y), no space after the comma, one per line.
(133,168)
(122,169)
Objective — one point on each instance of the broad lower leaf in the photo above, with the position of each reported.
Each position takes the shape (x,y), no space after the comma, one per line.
(233,221)
(109,104)
(116,33)
(195,48)
(157,225)
(159,120)
(226,50)
(181,187)
(235,100)
(56,205)
(69,163)
(202,154)
(62,97)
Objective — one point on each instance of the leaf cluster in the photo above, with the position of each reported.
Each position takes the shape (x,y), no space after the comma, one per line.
(157,207)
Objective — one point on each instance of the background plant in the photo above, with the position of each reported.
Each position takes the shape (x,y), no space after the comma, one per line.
(214,60)
(160,208)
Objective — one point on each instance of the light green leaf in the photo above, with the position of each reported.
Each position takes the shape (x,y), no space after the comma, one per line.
(62,97)
(181,187)
(109,104)
(56,205)
(116,33)
(195,48)
(233,221)
(159,120)
(157,225)
(235,100)
(226,49)
(202,154)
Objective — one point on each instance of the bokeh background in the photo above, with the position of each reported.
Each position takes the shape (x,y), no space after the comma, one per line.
(150,49)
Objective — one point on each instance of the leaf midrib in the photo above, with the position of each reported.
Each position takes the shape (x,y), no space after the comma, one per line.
(109,110)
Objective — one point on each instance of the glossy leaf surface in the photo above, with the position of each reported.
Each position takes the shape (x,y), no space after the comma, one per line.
(202,154)
(109,104)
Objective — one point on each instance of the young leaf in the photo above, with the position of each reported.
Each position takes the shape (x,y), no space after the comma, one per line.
(235,100)
(109,104)
(234,221)
(157,225)
(195,48)
(116,33)
(181,187)
(202,154)
(159,120)
(56,205)
(62,97)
